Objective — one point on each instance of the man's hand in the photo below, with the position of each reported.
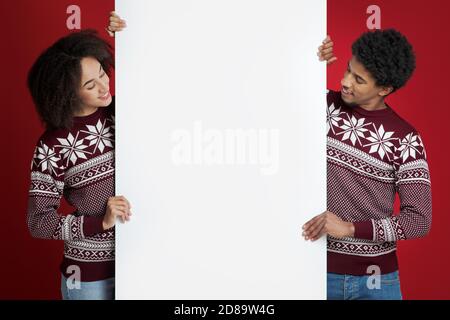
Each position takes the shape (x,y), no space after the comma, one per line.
(325,52)
(115,24)
(327,223)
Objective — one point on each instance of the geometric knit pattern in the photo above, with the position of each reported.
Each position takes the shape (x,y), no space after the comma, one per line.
(77,164)
(360,247)
(371,156)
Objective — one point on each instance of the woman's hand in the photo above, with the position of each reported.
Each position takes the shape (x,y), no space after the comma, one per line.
(116,207)
(327,223)
(115,24)
(325,52)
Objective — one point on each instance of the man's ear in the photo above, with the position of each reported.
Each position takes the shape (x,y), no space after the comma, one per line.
(385,91)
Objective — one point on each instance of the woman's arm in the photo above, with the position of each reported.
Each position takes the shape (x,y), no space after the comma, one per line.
(115,24)
(44,199)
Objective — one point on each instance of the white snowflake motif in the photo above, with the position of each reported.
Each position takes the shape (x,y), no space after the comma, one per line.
(354,129)
(99,135)
(381,142)
(409,146)
(333,118)
(47,159)
(72,149)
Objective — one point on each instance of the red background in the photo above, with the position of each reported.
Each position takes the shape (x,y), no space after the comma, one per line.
(29,267)
(424,263)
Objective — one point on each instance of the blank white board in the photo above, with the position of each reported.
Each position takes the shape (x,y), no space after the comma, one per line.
(220,125)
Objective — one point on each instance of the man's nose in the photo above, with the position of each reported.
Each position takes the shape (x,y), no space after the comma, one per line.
(346,82)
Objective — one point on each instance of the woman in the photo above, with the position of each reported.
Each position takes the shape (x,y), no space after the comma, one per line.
(74,159)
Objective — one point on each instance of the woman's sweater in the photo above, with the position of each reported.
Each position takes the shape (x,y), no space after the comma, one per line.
(77,164)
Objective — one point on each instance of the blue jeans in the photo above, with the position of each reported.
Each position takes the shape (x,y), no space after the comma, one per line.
(348,287)
(95,290)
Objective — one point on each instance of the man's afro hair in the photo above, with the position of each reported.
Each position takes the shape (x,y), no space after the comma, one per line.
(387,55)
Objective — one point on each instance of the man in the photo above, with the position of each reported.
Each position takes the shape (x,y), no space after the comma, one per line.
(372,154)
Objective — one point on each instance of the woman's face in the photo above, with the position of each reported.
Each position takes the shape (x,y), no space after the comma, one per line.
(94,91)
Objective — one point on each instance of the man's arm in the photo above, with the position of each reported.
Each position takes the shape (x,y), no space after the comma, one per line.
(413,185)
(414,188)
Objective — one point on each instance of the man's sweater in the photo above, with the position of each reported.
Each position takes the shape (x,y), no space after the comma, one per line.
(77,164)
(371,156)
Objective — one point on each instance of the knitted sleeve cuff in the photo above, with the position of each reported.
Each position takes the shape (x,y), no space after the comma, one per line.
(92,225)
(364,230)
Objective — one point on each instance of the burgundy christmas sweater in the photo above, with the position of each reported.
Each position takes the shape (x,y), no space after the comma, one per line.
(77,164)
(371,156)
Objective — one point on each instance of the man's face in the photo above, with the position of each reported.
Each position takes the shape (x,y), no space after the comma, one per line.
(359,87)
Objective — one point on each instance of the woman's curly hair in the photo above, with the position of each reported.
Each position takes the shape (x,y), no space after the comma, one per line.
(54,79)
(387,55)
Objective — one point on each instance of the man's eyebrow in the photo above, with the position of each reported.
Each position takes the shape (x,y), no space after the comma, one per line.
(356,75)
(87,82)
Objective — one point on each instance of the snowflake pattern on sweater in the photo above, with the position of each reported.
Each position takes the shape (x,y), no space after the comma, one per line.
(371,156)
(77,164)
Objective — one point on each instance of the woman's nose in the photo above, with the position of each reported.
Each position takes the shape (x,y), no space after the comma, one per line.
(103,87)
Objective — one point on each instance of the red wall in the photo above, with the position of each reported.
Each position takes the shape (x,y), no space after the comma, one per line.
(29,267)
(424,262)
